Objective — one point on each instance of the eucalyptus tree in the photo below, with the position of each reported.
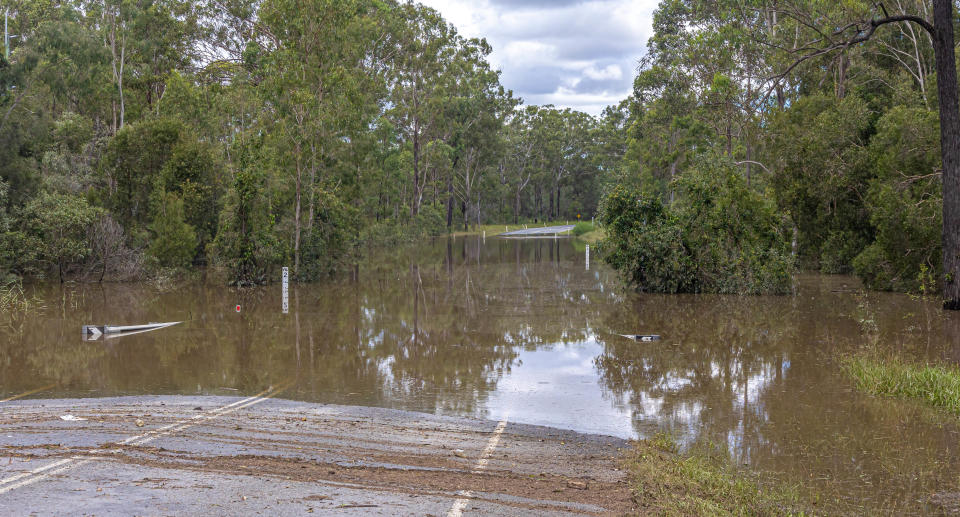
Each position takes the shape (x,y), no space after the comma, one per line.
(474,112)
(313,87)
(419,84)
(521,153)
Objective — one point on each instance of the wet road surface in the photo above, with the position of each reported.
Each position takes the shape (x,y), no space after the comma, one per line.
(543,230)
(262,454)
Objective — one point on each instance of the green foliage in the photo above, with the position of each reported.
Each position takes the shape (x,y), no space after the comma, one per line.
(700,483)
(935,385)
(428,223)
(718,237)
(174,242)
(132,163)
(57,227)
(582,227)
(331,238)
(820,142)
(905,203)
(400,129)
(245,243)
(73,131)
(192,173)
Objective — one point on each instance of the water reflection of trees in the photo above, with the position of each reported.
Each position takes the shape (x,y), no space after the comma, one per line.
(756,378)
(719,356)
(433,328)
(436,328)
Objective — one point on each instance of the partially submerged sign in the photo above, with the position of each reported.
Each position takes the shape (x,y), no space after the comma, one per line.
(93,332)
(642,337)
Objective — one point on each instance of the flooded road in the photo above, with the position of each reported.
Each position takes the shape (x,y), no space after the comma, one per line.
(523,330)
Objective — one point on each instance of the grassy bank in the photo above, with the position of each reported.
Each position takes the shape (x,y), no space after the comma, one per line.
(592,237)
(935,385)
(667,483)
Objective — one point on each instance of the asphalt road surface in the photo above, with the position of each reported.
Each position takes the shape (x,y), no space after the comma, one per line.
(176,455)
(543,230)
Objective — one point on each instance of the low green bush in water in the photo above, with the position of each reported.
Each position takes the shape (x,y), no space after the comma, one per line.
(718,237)
(582,228)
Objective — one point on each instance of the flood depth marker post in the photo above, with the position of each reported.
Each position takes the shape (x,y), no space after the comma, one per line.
(285,290)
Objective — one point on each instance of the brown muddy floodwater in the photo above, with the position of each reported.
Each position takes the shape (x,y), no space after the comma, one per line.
(523,329)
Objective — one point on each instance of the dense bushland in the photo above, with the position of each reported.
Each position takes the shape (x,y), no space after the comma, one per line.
(841,140)
(719,236)
(162,135)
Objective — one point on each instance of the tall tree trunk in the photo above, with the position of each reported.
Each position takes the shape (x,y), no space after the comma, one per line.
(313,180)
(450,193)
(558,200)
(949,148)
(842,76)
(296,218)
(516,209)
(449,202)
(415,206)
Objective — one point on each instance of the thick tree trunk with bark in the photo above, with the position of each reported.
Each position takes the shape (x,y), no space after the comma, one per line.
(949,148)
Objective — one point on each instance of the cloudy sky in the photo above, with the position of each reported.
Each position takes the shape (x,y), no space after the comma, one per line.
(570,53)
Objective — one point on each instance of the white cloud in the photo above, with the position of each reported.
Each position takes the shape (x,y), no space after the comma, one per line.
(571,53)
(527,53)
(608,72)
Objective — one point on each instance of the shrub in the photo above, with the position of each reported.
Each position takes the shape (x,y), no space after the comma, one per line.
(175,241)
(57,226)
(245,241)
(582,228)
(331,237)
(905,204)
(430,222)
(719,237)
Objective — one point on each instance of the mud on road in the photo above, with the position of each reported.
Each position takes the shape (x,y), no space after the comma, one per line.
(164,455)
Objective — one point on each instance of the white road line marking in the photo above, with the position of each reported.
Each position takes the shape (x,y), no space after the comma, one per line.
(465,495)
(40,473)
(38,470)
(64,465)
(210,414)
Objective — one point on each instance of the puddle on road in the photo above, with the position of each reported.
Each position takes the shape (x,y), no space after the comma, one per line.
(522,329)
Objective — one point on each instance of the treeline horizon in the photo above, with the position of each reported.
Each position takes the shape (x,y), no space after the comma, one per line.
(156,135)
(761,136)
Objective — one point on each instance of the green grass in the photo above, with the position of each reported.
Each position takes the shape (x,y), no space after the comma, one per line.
(593,237)
(934,385)
(582,228)
(667,483)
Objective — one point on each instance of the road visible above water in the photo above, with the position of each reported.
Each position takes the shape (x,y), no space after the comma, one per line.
(543,230)
(187,455)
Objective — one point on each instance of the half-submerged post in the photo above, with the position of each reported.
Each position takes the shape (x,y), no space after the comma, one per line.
(588,257)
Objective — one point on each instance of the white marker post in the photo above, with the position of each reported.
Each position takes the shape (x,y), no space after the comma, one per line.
(588,257)
(285,290)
